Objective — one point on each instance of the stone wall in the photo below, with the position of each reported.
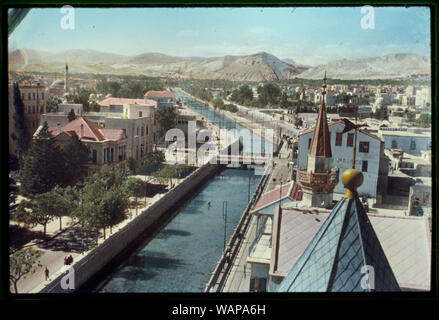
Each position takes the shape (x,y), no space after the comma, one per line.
(94,261)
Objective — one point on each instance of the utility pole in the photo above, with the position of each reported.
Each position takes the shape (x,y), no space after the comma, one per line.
(248,189)
(225,222)
(355,140)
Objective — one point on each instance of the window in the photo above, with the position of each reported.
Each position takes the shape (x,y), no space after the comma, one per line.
(309,143)
(364,146)
(142,131)
(112,155)
(42,95)
(350,141)
(28,96)
(140,114)
(394,144)
(95,156)
(138,130)
(338,138)
(33,95)
(364,166)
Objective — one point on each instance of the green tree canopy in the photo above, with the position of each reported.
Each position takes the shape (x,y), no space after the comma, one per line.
(269,93)
(44,166)
(21,262)
(167,119)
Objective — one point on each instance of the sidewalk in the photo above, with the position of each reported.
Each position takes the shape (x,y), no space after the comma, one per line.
(62,244)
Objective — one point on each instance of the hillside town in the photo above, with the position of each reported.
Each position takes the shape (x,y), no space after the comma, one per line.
(165,183)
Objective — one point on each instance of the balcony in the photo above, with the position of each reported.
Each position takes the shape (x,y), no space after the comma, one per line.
(319,181)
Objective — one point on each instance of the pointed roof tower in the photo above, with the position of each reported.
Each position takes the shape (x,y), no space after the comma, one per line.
(345,255)
(321,141)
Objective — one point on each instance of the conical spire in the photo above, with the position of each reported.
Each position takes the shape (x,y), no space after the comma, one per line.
(343,251)
(321,141)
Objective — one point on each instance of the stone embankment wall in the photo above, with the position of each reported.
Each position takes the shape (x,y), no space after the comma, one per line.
(98,258)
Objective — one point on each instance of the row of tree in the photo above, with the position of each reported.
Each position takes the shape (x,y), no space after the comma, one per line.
(100,202)
(128,88)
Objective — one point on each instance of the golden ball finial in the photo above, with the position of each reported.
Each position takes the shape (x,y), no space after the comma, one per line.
(351,179)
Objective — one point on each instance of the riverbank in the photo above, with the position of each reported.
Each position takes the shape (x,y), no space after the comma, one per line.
(147,220)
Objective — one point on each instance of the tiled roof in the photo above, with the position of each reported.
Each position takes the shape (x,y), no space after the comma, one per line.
(321,140)
(290,190)
(91,131)
(406,242)
(334,259)
(160,94)
(347,123)
(121,101)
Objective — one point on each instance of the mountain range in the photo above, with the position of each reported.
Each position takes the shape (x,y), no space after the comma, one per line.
(261,66)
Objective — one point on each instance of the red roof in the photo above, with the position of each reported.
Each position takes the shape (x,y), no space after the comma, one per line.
(289,190)
(121,101)
(159,94)
(347,123)
(91,131)
(321,140)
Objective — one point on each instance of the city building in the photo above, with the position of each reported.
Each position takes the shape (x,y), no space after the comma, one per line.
(410,140)
(370,156)
(107,146)
(116,104)
(163,98)
(34,99)
(137,120)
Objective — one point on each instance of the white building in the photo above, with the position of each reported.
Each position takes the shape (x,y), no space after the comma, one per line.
(413,141)
(370,158)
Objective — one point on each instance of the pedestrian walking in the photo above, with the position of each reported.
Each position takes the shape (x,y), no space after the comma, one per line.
(46,272)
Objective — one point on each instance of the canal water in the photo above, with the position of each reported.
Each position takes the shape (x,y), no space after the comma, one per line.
(182,255)
(257,144)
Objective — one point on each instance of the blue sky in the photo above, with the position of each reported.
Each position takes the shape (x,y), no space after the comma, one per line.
(306,35)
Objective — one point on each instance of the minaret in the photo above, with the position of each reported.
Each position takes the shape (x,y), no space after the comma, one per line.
(66,79)
(318,180)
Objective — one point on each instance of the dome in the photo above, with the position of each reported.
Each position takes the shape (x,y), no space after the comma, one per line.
(57,83)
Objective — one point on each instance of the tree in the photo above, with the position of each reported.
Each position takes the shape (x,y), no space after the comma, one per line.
(71,115)
(39,210)
(81,96)
(411,116)
(76,156)
(284,100)
(52,104)
(114,204)
(167,119)
(21,133)
(242,94)
(134,187)
(132,165)
(44,166)
(269,94)
(218,103)
(62,204)
(424,120)
(21,263)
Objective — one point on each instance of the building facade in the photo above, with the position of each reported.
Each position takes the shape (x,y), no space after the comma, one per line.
(370,157)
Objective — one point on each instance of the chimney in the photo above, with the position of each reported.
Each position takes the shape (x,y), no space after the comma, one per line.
(81,131)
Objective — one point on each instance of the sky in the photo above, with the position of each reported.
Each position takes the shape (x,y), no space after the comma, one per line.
(308,35)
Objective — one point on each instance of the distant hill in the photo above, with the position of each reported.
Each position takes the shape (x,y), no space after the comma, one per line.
(391,66)
(261,66)
(257,67)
